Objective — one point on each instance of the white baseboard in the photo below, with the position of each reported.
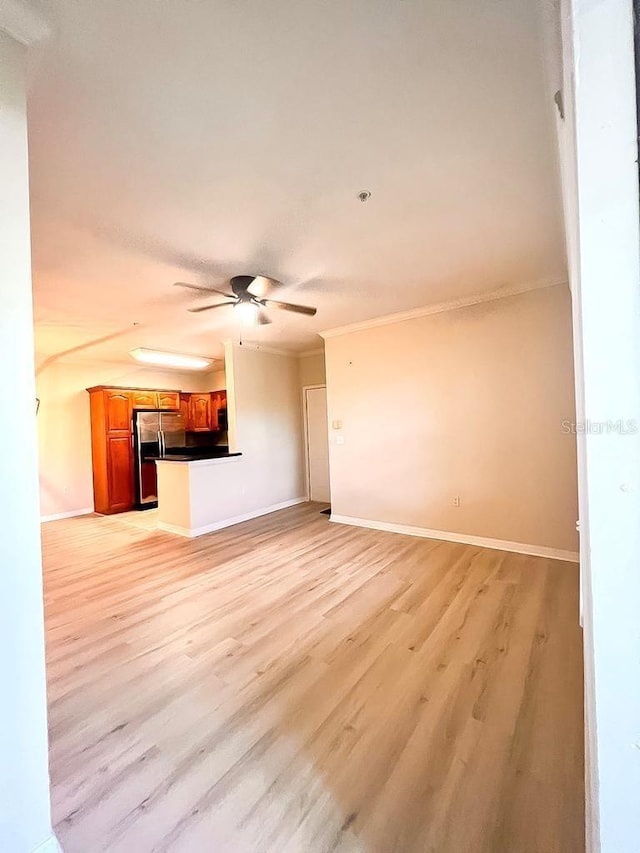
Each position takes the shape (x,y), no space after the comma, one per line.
(461,538)
(227,522)
(51,845)
(71,514)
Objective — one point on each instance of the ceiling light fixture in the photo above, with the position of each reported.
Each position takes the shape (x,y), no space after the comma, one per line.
(365,195)
(247,312)
(170,359)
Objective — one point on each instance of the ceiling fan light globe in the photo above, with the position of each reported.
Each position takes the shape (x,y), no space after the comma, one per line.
(247,313)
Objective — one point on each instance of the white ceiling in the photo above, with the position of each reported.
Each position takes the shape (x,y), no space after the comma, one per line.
(199,139)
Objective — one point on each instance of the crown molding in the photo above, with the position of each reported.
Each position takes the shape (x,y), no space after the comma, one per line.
(310,352)
(22,22)
(439,308)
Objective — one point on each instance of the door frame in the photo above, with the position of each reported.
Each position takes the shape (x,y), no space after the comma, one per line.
(598,152)
(305,438)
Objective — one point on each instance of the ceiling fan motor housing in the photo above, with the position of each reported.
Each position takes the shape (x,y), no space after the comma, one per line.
(240,285)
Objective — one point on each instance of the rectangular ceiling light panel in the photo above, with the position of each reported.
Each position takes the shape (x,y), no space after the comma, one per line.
(174,360)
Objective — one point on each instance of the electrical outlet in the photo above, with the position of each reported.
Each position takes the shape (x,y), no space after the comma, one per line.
(457,501)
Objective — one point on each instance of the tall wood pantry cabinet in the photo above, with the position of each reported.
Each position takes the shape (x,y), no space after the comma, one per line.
(111,449)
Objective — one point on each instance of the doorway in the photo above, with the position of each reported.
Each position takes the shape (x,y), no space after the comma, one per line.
(316,443)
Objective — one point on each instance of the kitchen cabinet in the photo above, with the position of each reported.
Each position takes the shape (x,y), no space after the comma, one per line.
(185,402)
(118,410)
(218,401)
(145,399)
(201,410)
(200,413)
(120,473)
(169,400)
(111,449)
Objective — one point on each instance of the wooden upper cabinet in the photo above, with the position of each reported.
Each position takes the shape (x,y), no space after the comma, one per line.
(145,399)
(213,416)
(218,401)
(200,412)
(118,411)
(185,408)
(168,400)
(149,399)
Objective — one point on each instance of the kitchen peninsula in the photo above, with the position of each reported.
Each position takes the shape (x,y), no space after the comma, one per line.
(197,496)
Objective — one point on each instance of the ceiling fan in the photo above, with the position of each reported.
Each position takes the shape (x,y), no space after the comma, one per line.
(249,298)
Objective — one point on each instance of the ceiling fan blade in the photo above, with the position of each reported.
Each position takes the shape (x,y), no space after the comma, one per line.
(262,286)
(202,289)
(289,306)
(209,307)
(262,318)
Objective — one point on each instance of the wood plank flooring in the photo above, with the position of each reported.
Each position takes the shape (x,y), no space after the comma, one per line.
(289,685)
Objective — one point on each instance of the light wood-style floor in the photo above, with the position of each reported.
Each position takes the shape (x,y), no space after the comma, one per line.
(289,685)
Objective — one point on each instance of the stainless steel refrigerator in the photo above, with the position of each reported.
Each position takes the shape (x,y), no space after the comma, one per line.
(155,434)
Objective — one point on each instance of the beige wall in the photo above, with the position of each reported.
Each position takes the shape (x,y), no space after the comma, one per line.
(311,369)
(465,403)
(265,425)
(64,427)
(217,381)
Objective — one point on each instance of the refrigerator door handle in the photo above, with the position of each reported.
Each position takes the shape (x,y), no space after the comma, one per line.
(161,443)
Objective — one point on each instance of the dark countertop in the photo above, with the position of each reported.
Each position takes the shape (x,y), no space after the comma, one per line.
(193,454)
